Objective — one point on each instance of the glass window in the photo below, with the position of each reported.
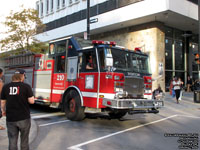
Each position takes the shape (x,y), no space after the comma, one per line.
(194,38)
(142,63)
(61,47)
(51,49)
(130,61)
(47,6)
(60,64)
(195,76)
(63,3)
(38,63)
(89,63)
(168,54)
(194,48)
(102,59)
(58,4)
(51,5)
(37,8)
(179,55)
(42,9)
(168,78)
(70,1)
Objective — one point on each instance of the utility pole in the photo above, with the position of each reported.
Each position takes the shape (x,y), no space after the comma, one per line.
(88,19)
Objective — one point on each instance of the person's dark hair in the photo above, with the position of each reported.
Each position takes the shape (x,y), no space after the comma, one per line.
(1,70)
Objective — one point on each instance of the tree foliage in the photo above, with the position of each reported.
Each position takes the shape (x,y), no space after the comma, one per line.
(21,28)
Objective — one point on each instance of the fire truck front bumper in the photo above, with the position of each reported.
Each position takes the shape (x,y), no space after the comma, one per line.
(135,104)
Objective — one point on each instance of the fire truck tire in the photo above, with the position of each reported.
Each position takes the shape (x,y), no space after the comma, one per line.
(117,114)
(73,109)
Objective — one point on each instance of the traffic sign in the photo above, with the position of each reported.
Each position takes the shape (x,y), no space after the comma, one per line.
(94,20)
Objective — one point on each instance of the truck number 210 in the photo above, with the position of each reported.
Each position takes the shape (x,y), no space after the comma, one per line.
(60,77)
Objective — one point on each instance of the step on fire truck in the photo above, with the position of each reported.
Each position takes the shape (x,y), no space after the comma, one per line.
(82,77)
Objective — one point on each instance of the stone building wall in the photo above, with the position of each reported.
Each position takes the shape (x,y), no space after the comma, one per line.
(150,38)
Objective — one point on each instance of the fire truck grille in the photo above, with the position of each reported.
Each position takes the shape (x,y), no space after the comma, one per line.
(134,87)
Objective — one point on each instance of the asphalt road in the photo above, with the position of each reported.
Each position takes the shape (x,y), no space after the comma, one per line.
(173,126)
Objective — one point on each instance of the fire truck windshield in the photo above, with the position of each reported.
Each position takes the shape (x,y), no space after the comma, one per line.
(129,61)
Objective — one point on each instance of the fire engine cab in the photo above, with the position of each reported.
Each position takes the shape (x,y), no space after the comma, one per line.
(81,76)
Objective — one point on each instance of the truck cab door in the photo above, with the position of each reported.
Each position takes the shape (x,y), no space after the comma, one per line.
(59,74)
(88,78)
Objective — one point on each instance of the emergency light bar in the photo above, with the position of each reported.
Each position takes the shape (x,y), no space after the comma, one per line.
(96,42)
(137,49)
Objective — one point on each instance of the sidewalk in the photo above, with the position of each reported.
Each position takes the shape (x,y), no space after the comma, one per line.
(4,137)
(186,96)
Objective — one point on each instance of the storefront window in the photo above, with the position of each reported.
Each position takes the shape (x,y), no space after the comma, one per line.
(180,75)
(168,78)
(194,48)
(168,54)
(195,76)
(179,55)
(174,55)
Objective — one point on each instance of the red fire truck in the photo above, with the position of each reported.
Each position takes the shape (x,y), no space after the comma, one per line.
(81,76)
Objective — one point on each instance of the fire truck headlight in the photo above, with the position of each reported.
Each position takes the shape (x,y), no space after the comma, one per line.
(118,90)
(119,86)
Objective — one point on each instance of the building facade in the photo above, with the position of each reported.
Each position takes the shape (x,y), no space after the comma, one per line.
(165,29)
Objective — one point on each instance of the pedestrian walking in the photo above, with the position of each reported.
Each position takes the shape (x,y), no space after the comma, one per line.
(1,85)
(15,99)
(189,84)
(177,88)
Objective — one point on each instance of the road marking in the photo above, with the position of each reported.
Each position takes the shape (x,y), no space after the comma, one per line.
(52,123)
(48,115)
(195,117)
(77,147)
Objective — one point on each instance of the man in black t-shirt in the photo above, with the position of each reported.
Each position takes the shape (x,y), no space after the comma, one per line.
(15,99)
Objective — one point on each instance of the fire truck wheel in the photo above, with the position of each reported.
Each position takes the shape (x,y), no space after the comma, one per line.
(117,114)
(73,109)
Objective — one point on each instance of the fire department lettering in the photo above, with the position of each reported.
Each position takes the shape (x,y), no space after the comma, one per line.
(14,91)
